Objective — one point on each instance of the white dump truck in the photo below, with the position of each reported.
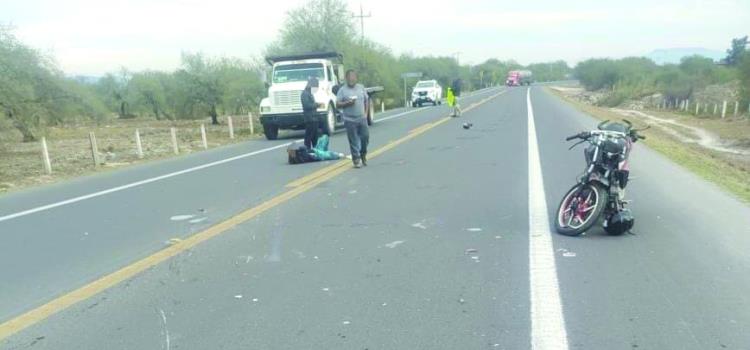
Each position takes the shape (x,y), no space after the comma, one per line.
(282,109)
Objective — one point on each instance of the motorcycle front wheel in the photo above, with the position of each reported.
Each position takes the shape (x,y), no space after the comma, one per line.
(580,208)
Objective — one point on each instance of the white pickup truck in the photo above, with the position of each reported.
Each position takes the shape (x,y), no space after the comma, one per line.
(426,91)
(282,109)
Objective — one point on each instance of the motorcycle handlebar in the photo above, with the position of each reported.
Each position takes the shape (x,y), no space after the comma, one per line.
(581,135)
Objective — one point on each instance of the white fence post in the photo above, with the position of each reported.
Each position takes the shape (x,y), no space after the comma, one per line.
(231,127)
(736,107)
(45,157)
(203,136)
(697,107)
(716,108)
(687,105)
(723,109)
(94,149)
(705,108)
(173,131)
(138,146)
(252,125)
(382,106)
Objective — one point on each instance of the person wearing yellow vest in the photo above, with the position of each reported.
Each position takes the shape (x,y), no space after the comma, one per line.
(450,98)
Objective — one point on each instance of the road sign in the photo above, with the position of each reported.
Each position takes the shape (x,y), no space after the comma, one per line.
(412,75)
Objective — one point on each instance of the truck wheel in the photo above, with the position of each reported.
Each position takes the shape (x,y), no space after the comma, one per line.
(330,125)
(271,131)
(371,115)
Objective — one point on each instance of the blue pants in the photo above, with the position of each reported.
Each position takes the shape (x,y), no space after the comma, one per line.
(359,137)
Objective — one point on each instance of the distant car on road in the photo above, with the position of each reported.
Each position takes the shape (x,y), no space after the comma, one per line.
(426,91)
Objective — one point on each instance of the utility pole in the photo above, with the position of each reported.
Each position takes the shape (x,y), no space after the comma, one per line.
(456,54)
(362,17)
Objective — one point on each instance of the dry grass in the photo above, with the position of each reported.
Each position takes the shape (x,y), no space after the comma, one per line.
(730,172)
(70,150)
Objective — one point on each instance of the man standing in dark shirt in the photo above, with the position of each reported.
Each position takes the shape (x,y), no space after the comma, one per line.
(352,99)
(309,108)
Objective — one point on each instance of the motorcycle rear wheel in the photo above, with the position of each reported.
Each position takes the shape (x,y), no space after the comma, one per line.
(580,208)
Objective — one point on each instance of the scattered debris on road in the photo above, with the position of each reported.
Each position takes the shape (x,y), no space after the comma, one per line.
(238,296)
(197,220)
(181,217)
(471,251)
(474,229)
(566,253)
(173,241)
(468,126)
(394,244)
(419,225)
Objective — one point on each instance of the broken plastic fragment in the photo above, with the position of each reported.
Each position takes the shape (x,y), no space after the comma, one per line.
(394,244)
(419,225)
(197,220)
(181,217)
(474,229)
(238,296)
(172,241)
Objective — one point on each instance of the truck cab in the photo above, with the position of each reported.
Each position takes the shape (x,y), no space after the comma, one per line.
(519,77)
(282,109)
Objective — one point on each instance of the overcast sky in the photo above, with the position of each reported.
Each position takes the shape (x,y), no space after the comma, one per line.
(95,36)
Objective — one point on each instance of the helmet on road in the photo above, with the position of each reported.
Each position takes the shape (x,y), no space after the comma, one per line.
(620,222)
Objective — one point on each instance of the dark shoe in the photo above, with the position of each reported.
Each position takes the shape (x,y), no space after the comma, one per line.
(364,160)
(357,163)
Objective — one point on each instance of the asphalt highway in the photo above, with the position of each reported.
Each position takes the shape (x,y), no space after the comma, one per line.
(442,242)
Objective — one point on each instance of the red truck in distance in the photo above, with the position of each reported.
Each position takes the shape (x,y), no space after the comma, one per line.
(519,77)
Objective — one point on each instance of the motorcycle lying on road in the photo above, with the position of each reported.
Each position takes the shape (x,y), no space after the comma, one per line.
(600,191)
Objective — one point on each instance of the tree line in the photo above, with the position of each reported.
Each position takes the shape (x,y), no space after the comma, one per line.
(636,77)
(35,93)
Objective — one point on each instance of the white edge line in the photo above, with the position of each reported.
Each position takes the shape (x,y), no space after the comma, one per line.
(547,321)
(137,183)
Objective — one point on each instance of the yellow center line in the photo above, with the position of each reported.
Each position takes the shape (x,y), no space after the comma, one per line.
(298,187)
